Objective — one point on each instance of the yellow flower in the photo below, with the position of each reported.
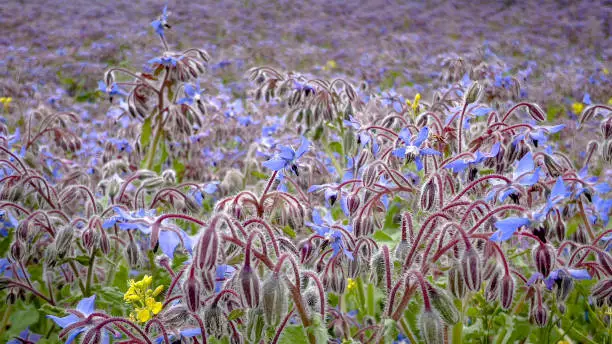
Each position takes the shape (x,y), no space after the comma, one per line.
(606,71)
(144,315)
(577,108)
(142,298)
(415,104)
(331,64)
(610,101)
(154,306)
(6,101)
(351,284)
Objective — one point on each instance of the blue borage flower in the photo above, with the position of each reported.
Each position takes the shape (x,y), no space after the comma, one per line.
(554,276)
(192,94)
(165,60)
(25,337)
(85,307)
(327,227)
(525,172)
(287,157)
(185,333)
(112,89)
(412,151)
(208,188)
(162,23)
(539,134)
(142,220)
(391,97)
(461,164)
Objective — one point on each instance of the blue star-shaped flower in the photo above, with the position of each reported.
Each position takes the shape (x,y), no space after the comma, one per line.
(162,23)
(85,307)
(192,93)
(525,172)
(507,227)
(287,157)
(412,150)
(324,227)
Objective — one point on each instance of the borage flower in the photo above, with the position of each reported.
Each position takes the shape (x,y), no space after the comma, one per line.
(287,157)
(413,150)
(161,23)
(327,227)
(84,309)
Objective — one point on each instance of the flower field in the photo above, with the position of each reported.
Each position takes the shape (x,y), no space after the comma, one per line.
(305,172)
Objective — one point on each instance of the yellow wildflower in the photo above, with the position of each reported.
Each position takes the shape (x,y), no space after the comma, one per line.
(351,284)
(577,108)
(6,101)
(606,71)
(142,298)
(331,64)
(610,101)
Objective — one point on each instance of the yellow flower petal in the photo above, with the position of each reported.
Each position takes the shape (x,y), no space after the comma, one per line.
(158,290)
(144,315)
(577,108)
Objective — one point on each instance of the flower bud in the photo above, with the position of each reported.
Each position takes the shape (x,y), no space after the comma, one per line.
(560,229)
(563,285)
(17,250)
(63,240)
(377,268)
(605,261)
(352,203)
(606,128)
(132,254)
(552,166)
(249,281)
(473,93)
(175,316)
(50,257)
(401,251)
(606,151)
(602,293)
(208,247)
(506,291)
(539,314)
(363,226)
(312,300)
(87,237)
(11,297)
(431,328)
(493,287)
(274,297)
(370,174)
(337,280)
(471,270)
(208,280)
(169,177)
(443,303)
(104,243)
(191,291)
(214,321)
(536,112)
(544,258)
(428,195)
(456,281)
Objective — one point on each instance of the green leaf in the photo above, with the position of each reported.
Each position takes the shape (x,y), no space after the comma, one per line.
(318,330)
(235,314)
(289,232)
(83,260)
(145,136)
(21,318)
(121,277)
(336,147)
(179,168)
(382,237)
(259,175)
(293,334)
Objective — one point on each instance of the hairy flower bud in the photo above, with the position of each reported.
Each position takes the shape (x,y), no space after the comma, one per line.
(169,177)
(431,328)
(605,261)
(249,282)
(363,226)
(563,285)
(606,151)
(428,195)
(255,325)
(473,93)
(370,174)
(337,280)
(471,269)
(214,320)
(536,112)
(132,254)
(606,128)
(553,167)
(506,294)
(401,251)
(17,250)
(192,291)
(312,300)
(352,203)
(208,247)
(175,316)
(63,240)
(456,283)
(104,243)
(602,293)
(274,299)
(443,303)
(544,258)
(539,314)
(377,268)
(50,256)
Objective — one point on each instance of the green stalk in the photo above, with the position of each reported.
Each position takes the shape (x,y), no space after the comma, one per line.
(5,318)
(371,300)
(90,268)
(458,328)
(153,146)
(407,331)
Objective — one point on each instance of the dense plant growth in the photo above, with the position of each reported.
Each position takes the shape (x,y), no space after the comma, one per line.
(356,216)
